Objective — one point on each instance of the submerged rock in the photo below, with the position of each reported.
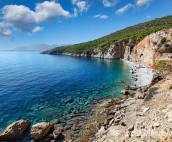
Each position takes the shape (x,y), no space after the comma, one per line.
(54,121)
(40,130)
(15,130)
(70,100)
(121,81)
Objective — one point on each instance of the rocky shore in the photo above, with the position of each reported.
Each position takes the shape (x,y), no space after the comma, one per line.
(105,117)
(144,115)
(141,115)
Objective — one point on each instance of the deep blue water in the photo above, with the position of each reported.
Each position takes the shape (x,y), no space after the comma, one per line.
(34,86)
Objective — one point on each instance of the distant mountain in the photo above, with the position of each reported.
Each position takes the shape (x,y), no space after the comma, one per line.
(35,47)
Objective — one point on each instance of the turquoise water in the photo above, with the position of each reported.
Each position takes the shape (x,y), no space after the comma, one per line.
(35,86)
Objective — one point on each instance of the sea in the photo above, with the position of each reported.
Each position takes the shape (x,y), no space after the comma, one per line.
(36,86)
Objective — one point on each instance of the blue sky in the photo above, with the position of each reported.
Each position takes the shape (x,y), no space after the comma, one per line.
(26,22)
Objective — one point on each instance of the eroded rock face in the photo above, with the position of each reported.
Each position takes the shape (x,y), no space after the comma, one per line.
(15,130)
(115,51)
(151,49)
(40,130)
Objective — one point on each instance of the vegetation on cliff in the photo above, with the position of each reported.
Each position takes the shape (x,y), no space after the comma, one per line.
(134,33)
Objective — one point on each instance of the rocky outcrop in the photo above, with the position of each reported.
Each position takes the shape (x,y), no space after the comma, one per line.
(151,49)
(15,130)
(155,47)
(114,52)
(148,118)
(40,130)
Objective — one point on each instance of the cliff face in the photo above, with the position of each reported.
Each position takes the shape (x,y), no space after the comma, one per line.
(151,49)
(114,52)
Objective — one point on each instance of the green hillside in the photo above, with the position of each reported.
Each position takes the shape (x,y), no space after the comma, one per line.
(134,33)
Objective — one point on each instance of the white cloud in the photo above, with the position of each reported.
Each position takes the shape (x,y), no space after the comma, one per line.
(48,10)
(124,9)
(74,1)
(148,17)
(75,13)
(81,6)
(141,3)
(101,16)
(22,18)
(5,32)
(37,29)
(110,3)
(4,24)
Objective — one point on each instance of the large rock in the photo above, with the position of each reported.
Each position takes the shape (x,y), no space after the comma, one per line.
(15,130)
(57,131)
(40,130)
(140,95)
(133,88)
(125,92)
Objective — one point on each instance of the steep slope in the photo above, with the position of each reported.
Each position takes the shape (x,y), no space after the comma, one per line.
(113,46)
(153,48)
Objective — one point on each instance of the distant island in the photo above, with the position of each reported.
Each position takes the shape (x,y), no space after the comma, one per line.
(34,47)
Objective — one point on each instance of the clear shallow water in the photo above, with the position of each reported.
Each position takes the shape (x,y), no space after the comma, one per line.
(34,86)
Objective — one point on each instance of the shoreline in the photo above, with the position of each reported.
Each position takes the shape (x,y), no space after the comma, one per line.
(104,107)
(141,74)
(134,117)
(73,132)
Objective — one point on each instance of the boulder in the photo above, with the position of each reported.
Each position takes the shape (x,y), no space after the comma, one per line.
(40,130)
(57,133)
(170,87)
(125,92)
(58,127)
(140,95)
(15,130)
(133,88)
(127,87)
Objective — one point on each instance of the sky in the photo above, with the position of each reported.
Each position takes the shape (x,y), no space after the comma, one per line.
(27,22)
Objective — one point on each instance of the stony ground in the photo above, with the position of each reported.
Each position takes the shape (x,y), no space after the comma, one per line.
(141,120)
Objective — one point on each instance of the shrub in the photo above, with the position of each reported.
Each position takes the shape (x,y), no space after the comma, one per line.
(151,93)
(167,48)
(163,40)
(161,64)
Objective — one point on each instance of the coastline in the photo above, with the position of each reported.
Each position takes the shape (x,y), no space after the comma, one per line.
(102,117)
(134,117)
(142,76)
